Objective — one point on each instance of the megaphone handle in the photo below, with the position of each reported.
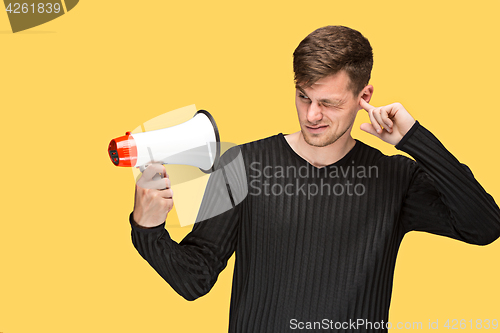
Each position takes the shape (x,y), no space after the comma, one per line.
(157,176)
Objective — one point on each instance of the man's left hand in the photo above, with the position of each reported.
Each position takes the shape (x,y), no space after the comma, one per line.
(389,123)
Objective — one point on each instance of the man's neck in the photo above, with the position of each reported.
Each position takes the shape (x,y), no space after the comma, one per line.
(321,156)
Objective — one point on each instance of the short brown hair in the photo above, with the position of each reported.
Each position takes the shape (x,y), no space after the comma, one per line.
(329,50)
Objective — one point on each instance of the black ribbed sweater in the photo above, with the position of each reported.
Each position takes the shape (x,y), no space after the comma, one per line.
(306,257)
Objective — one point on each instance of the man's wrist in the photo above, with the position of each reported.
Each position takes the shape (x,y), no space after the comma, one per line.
(408,134)
(138,226)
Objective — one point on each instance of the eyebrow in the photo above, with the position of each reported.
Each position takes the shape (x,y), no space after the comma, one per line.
(334,102)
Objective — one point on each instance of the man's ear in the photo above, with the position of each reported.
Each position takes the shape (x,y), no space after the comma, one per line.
(366,93)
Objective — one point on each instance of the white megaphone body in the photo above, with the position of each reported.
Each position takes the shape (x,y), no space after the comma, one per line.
(195,142)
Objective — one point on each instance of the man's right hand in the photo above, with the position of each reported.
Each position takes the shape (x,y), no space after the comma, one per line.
(153,197)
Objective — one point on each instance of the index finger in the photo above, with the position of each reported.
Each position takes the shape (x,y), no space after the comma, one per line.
(364,104)
(153,169)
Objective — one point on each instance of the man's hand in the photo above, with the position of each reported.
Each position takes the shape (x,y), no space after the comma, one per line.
(389,123)
(153,197)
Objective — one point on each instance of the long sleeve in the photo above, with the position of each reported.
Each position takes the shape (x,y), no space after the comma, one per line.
(192,266)
(444,197)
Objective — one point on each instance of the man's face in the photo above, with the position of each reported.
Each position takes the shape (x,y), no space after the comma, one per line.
(326,110)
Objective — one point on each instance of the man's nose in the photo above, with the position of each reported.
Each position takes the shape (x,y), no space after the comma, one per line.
(314,113)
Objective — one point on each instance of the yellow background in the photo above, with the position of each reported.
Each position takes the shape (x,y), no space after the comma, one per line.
(69,86)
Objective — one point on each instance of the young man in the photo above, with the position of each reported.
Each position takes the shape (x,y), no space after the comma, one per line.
(317,236)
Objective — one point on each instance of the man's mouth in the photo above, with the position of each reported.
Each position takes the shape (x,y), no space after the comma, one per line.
(316,129)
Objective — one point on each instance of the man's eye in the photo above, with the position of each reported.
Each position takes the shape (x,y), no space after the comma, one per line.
(303,97)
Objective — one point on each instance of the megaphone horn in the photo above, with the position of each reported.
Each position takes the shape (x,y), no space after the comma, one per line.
(195,142)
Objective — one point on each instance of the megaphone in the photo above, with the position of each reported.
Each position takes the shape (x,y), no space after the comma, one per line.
(195,142)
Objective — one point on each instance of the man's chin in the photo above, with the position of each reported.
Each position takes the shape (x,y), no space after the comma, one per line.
(321,140)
